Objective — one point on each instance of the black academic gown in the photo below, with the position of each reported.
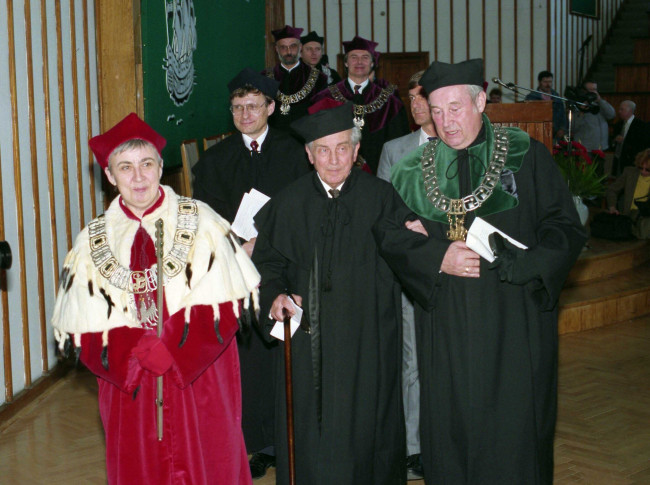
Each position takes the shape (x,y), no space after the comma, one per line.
(487,349)
(222,175)
(387,123)
(292,82)
(360,438)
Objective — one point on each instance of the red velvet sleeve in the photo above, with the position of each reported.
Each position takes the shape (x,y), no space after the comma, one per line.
(201,346)
(121,342)
(190,354)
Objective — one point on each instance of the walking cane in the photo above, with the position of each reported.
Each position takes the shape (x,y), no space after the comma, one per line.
(289,393)
(159,325)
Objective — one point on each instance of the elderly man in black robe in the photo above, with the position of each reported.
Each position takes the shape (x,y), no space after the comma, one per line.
(299,82)
(486,333)
(266,159)
(315,243)
(378,109)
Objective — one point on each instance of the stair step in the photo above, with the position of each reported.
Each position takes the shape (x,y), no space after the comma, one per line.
(606,286)
(602,259)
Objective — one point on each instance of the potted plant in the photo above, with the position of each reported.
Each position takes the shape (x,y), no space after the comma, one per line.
(581,171)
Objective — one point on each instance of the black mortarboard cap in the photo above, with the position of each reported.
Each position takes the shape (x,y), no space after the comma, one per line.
(325,122)
(312,37)
(441,74)
(248,76)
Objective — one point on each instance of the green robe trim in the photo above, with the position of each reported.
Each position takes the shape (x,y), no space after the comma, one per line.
(406,175)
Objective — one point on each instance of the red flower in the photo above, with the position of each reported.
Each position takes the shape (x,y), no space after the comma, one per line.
(598,153)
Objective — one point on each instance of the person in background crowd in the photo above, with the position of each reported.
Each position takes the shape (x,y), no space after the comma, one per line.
(631,135)
(378,110)
(560,122)
(312,55)
(299,82)
(590,128)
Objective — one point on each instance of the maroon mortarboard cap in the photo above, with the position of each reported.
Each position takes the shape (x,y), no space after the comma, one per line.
(325,122)
(287,32)
(312,37)
(250,77)
(325,103)
(359,43)
(441,74)
(131,127)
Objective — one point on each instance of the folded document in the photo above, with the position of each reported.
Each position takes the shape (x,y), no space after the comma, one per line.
(477,238)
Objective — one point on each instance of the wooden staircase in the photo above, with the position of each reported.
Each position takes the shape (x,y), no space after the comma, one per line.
(610,283)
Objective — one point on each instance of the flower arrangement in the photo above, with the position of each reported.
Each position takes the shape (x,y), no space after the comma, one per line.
(581,171)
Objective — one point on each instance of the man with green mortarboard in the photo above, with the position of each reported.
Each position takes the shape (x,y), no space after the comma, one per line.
(486,332)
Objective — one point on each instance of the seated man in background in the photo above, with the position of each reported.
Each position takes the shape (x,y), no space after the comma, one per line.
(107,308)
(634,182)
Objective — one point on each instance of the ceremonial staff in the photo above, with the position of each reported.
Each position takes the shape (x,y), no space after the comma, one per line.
(289,393)
(159,325)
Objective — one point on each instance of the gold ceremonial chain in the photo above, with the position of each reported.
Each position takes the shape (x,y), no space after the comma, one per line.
(360,110)
(288,99)
(457,208)
(138,282)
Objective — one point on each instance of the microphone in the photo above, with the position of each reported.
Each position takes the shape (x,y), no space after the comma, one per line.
(498,81)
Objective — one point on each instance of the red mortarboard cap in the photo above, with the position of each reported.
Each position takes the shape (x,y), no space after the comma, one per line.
(131,127)
(359,43)
(287,32)
(325,103)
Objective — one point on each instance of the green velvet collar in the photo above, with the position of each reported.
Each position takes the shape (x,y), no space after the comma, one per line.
(406,175)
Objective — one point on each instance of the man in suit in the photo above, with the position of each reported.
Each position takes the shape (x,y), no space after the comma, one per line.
(630,136)
(392,153)
(259,157)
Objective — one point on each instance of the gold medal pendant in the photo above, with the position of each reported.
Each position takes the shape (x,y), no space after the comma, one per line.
(456,218)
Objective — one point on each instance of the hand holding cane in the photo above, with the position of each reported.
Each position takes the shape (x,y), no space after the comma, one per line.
(159,272)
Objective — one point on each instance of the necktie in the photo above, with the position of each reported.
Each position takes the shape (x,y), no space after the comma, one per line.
(254,147)
(431,138)
(334,193)
(357,89)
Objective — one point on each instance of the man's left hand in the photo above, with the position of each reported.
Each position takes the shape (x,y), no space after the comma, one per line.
(249,246)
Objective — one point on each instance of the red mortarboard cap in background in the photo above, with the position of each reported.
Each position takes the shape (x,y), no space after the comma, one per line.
(287,32)
(325,103)
(131,127)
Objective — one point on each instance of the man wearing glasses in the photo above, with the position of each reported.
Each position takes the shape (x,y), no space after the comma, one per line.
(299,82)
(267,160)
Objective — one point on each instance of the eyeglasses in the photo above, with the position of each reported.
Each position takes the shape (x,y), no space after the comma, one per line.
(238,109)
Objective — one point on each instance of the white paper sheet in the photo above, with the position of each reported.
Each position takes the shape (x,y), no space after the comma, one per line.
(477,238)
(251,203)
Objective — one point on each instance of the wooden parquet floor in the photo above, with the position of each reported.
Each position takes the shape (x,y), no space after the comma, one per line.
(603,431)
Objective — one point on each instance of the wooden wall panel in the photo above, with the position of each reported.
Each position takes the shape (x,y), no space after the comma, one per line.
(516,38)
(47,90)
